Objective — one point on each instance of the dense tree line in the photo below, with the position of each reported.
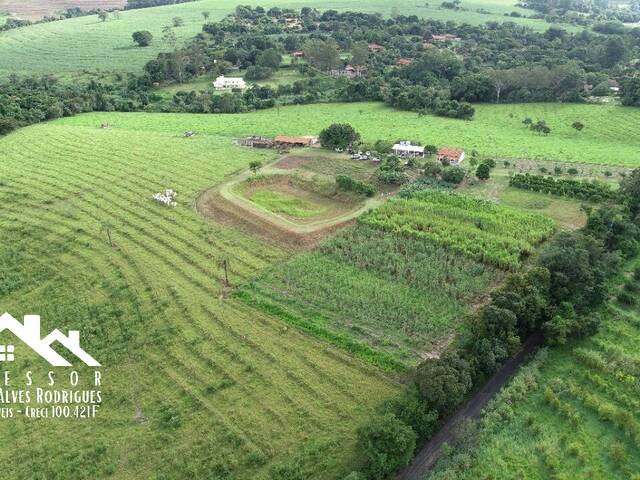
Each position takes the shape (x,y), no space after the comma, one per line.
(557,295)
(133,4)
(24,101)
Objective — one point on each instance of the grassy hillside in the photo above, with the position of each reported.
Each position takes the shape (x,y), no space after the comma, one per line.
(86,43)
(609,136)
(36,9)
(201,385)
(574,413)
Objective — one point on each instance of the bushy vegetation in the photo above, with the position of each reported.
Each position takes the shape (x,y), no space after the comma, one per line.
(349,184)
(563,294)
(584,190)
(479,229)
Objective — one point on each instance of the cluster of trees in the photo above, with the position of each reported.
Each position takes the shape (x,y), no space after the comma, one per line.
(24,101)
(557,296)
(349,184)
(585,190)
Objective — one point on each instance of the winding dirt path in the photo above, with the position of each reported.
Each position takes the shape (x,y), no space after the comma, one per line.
(427,457)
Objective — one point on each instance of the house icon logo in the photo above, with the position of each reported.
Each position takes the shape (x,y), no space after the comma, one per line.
(29,334)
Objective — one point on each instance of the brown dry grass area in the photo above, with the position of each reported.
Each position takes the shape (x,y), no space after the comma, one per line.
(292,162)
(36,9)
(213,206)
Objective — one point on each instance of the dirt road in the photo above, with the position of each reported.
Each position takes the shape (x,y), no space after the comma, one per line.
(429,454)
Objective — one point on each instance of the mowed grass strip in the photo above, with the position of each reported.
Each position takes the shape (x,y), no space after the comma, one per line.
(202,385)
(609,136)
(484,231)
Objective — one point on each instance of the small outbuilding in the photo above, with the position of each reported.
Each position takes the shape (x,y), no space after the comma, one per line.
(453,156)
(405,149)
(229,83)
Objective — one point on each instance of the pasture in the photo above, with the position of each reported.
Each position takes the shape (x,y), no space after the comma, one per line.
(200,383)
(574,413)
(609,136)
(86,43)
(36,9)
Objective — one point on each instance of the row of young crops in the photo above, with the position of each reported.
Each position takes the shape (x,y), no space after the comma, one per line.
(575,408)
(204,378)
(584,190)
(371,289)
(484,231)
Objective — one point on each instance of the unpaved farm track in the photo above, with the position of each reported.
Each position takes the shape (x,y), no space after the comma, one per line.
(214,206)
(36,9)
(429,454)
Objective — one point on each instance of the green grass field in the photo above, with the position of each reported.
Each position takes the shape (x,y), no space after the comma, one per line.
(86,43)
(573,414)
(197,385)
(608,138)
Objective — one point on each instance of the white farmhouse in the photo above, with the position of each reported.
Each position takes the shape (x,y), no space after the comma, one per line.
(229,83)
(405,149)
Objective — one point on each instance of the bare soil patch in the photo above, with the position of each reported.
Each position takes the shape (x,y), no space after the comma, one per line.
(215,207)
(37,9)
(291,162)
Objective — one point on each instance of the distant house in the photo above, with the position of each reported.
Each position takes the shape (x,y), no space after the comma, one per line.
(405,149)
(427,45)
(293,23)
(283,141)
(454,156)
(445,37)
(374,47)
(404,62)
(229,83)
(350,72)
(298,54)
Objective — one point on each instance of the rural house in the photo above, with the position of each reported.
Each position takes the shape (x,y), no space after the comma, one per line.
(298,54)
(446,37)
(404,62)
(454,156)
(229,83)
(374,47)
(405,149)
(350,72)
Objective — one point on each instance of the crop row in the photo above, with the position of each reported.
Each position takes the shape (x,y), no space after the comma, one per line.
(479,229)
(585,190)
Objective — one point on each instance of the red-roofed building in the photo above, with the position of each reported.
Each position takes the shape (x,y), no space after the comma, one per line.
(374,47)
(298,54)
(403,62)
(454,156)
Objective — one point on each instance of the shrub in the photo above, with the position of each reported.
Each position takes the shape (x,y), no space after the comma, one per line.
(393,177)
(256,72)
(432,169)
(143,38)
(572,171)
(453,175)
(483,172)
(586,190)
(349,184)
(387,445)
(627,299)
(338,135)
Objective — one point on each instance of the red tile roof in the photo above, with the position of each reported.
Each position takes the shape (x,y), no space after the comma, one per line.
(450,153)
